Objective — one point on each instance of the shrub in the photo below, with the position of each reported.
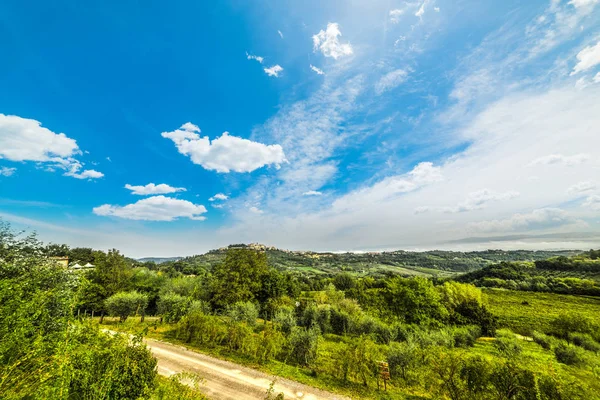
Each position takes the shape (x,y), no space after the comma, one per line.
(569,354)
(172,306)
(543,340)
(567,323)
(466,336)
(243,312)
(124,304)
(303,344)
(285,319)
(402,358)
(585,341)
(508,345)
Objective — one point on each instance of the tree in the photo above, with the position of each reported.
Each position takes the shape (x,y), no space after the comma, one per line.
(239,277)
(172,307)
(303,344)
(124,304)
(344,281)
(414,300)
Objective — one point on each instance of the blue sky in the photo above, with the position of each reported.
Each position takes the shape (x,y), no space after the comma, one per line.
(170,129)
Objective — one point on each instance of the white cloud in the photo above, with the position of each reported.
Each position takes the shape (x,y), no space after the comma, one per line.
(436,9)
(421,10)
(587,58)
(151,189)
(86,174)
(156,208)
(477,200)
(583,3)
(23,139)
(225,153)
(312,193)
(561,160)
(581,187)
(317,70)
(219,196)
(395,15)
(593,202)
(255,210)
(422,175)
(274,70)
(596,78)
(327,41)
(391,80)
(253,57)
(280,34)
(6,171)
(537,219)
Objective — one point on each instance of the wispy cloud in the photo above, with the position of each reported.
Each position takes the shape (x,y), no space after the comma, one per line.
(317,70)
(253,57)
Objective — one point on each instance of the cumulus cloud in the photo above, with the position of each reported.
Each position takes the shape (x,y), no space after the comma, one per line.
(23,139)
(151,189)
(422,175)
(6,171)
(537,219)
(312,193)
(156,208)
(328,42)
(317,70)
(587,58)
(583,3)
(274,70)
(225,153)
(391,80)
(86,174)
(581,187)
(253,57)
(255,210)
(219,196)
(561,160)
(395,15)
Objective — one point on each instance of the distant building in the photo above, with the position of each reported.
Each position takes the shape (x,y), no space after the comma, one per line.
(63,261)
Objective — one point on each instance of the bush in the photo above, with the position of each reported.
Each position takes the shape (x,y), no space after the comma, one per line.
(508,345)
(243,312)
(402,359)
(285,319)
(567,323)
(303,344)
(172,306)
(124,304)
(543,340)
(585,341)
(466,336)
(569,354)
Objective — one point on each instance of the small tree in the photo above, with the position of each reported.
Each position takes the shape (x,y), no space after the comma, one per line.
(243,312)
(172,307)
(124,304)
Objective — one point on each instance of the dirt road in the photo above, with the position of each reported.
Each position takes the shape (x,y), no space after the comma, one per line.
(226,380)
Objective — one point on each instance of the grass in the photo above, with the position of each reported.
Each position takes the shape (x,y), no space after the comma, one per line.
(524,312)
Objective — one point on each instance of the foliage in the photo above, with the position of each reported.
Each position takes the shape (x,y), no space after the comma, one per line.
(569,354)
(125,304)
(172,306)
(243,312)
(303,344)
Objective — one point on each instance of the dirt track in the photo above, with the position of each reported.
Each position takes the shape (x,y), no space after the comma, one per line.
(226,380)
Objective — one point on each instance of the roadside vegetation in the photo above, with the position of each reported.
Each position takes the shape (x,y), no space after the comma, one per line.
(437,337)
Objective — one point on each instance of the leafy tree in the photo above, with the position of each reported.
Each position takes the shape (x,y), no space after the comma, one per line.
(414,300)
(172,307)
(344,281)
(239,277)
(124,304)
(243,312)
(303,344)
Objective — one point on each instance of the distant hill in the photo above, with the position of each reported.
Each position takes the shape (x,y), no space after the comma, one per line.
(429,263)
(158,260)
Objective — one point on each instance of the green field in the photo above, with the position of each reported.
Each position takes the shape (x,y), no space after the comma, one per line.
(524,312)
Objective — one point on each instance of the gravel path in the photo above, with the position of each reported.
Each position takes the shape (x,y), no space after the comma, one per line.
(227,380)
